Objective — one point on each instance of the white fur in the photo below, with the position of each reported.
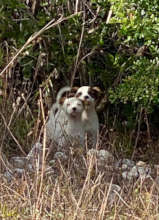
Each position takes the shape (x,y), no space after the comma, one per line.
(65,125)
(89,115)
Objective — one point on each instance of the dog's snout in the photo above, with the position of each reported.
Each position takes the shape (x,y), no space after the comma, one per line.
(86,97)
(74,109)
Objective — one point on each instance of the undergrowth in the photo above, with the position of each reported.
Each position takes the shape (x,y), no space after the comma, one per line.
(76,189)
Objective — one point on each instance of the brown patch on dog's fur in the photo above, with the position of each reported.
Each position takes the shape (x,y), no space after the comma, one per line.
(62,99)
(65,94)
(95,92)
(72,92)
(69,94)
(78,95)
(74,89)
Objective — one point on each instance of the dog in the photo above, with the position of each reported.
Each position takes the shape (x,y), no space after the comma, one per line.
(89,95)
(65,123)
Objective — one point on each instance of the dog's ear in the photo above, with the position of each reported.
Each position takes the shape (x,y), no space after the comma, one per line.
(97,89)
(95,92)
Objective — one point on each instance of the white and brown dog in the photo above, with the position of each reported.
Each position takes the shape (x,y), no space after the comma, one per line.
(65,122)
(89,95)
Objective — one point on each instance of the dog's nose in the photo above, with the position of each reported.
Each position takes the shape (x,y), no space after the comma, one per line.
(86,97)
(74,109)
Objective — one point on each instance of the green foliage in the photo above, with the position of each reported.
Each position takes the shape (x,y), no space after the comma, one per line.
(120,54)
(141,86)
(138,33)
(15,21)
(22,127)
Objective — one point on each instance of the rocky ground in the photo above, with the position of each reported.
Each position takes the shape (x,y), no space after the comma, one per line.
(119,172)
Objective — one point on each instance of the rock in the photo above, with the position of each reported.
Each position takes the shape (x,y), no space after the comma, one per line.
(157,180)
(31,162)
(92,152)
(137,172)
(30,167)
(60,156)
(129,175)
(35,157)
(144,170)
(18,172)
(105,155)
(125,164)
(113,193)
(49,171)
(35,152)
(52,162)
(104,158)
(19,162)
(132,170)
(8,175)
(12,174)
(141,164)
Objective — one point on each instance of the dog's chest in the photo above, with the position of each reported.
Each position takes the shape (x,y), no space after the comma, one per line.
(90,121)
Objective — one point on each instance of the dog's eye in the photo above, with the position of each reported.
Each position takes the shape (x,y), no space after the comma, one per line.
(68,104)
(78,94)
(79,104)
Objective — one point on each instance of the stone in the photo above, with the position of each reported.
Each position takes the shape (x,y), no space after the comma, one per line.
(19,162)
(8,175)
(60,156)
(52,162)
(113,193)
(104,158)
(18,172)
(129,175)
(137,172)
(125,164)
(35,157)
(92,152)
(35,152)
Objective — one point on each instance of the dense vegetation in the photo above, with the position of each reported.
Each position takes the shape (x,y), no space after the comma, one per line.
(112,44)
(47,44)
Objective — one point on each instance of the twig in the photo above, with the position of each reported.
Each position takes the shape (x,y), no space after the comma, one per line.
(125,203)
(109,16)
(78,52)
(84,187)
(76,6)
(105,201)
(44,148)
(138,132)
(87,55)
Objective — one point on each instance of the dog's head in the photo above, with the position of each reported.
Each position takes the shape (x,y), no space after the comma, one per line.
(88,94)
(72,106)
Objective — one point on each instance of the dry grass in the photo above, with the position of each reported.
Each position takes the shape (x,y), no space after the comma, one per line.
(72,194)
(77,189)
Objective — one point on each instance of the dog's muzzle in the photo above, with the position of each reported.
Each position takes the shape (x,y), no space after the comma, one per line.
(86,104)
